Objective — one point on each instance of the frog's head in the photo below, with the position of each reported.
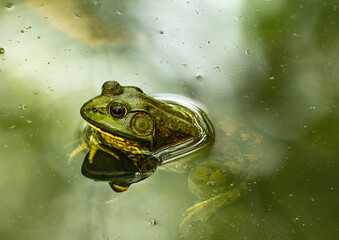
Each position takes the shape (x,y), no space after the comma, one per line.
(120,115)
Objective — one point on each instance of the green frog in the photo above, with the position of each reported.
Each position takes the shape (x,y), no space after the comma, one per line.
(130,134)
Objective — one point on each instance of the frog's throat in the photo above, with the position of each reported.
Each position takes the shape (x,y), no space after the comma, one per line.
(117,141)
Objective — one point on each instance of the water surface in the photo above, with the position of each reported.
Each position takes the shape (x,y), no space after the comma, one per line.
(270,64)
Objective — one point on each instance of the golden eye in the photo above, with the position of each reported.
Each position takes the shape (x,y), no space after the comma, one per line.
(118,110)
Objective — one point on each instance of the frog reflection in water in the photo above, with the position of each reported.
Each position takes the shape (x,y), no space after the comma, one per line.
(130,133)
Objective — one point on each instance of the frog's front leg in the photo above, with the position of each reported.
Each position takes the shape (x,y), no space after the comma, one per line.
(202,211)
(94,146)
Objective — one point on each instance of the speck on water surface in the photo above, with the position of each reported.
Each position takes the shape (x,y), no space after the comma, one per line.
(153,222)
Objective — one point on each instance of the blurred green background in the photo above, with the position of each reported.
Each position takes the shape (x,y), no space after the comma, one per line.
(273,64)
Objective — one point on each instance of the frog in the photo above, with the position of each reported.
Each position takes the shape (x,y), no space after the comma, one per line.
(130,134)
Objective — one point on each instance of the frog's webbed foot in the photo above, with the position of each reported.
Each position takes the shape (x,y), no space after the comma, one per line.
(204,210)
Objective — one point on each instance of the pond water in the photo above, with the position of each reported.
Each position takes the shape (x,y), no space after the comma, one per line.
(271,65)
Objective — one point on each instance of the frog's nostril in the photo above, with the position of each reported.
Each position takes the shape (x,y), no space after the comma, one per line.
(95,110)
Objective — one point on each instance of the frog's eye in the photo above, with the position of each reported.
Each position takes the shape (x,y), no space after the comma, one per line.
(118,110)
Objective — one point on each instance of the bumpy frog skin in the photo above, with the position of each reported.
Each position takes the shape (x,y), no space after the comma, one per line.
(130,133)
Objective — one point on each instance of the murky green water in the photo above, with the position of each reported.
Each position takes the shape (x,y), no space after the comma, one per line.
(270,64)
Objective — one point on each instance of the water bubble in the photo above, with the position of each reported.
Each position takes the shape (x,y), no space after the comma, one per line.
(11,127)
(312,108)
(153,222)
(162,31)
(248,52)
(296,219)
(238,18)
(23,106)
(96,2)
(271,78)
(9,5)
(291,195)
(2,50)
